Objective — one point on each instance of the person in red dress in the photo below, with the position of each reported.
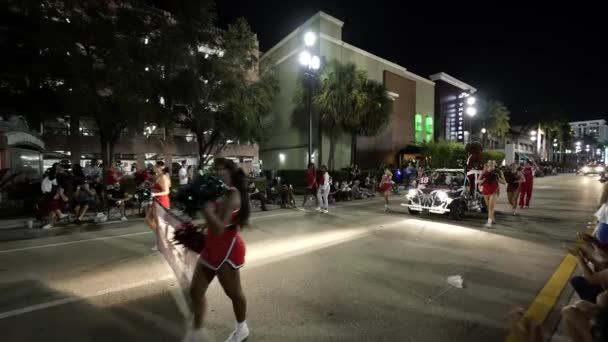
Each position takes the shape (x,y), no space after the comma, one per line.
(490,179)
(311,184)
(162,186)
(224,252)
(386,184)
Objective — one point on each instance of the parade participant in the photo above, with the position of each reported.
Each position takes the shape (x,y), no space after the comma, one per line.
(162,186)
(224,252)
(514,178)
(490,180)
(324,189)
(386,184)
(160,190)
(311,184)
(526,187)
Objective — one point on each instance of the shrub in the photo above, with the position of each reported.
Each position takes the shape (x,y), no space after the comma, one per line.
(444,154)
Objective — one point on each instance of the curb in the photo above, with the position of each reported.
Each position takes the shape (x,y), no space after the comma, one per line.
(33,233)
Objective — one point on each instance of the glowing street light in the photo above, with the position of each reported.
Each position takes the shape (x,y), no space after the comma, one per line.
(483,131)
(310,38)
(471,111)
(312,63)
(471,100)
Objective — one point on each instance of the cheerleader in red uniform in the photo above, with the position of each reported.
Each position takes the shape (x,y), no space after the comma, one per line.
(490,180)
(386,184)
(224,252)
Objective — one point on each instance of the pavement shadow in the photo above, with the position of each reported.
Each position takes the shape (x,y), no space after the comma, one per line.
(31,311)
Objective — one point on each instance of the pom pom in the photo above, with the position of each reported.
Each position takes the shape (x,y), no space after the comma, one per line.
(204,189)
(190,236)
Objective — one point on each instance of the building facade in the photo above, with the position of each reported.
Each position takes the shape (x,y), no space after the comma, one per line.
(454,108)
(77,140)
(597,129)
(412,119)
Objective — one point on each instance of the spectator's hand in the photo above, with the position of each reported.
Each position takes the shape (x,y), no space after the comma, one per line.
(524,328)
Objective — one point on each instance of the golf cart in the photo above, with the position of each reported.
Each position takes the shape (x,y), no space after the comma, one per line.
(445,191)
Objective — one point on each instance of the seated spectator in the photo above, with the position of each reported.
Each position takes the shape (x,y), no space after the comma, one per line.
(78,175)
(287,198)
(333,192)
(85,199)
(345,193)
(591,283)
(255,194)
(112,176)
(117,197)
(51,197)
(358,192)
(97,186)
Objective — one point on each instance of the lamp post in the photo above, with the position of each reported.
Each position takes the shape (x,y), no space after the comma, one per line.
(312,63)
(471,111)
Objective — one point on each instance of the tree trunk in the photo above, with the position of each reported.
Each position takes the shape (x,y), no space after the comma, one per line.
(104,149)
(201,149)
(332,147)
(353,149)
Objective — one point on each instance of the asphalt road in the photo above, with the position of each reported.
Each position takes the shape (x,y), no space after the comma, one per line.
(356,274)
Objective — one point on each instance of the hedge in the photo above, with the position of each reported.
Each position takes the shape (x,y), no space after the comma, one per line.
(448,154)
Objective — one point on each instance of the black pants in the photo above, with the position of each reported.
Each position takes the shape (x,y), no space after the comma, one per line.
(584,289)
(258,196)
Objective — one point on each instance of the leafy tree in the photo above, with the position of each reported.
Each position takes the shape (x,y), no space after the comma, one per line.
(338,100)
(223,99)
(498,117)
(372,115)
(102,68)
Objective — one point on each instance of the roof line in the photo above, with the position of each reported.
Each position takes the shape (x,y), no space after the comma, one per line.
(379,59)
(452,80)
(293,33)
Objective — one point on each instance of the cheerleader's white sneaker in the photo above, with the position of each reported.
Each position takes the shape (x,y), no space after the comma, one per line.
(240,334)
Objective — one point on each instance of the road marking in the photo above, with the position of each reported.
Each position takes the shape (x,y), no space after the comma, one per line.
(544,302)
(41,306)
(70,242)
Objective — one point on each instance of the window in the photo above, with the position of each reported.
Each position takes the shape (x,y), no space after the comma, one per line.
(418,134)
(429,128)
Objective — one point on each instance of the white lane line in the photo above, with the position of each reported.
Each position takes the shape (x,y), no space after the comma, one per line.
(36,307)
(70,242)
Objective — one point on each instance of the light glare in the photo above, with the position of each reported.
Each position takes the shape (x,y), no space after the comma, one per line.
(310,38)
(305,58)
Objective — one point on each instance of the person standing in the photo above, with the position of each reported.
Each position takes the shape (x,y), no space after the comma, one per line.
(161,189)
(190,174)
(514,179)
(527,186)
(386,185)
(323,191)
(490,180)
(311,184)
(183,175)
(224,252)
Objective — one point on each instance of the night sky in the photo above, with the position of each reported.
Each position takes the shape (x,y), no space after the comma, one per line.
(519,55)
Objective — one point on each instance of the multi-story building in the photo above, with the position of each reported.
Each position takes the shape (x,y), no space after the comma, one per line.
(411,122)
(597,129)
(454,108)
(78,141)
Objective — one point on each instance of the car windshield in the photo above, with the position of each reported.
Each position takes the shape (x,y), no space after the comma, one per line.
(442,178)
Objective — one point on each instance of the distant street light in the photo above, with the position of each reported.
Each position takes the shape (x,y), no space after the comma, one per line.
(471,100)
(312,63)
(483,131)
(471,111)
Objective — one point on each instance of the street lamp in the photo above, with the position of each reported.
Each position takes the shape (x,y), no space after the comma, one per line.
(471,111)
(312,63)
(471,100)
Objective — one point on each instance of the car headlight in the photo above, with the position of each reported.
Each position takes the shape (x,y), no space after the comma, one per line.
(599,169)
(442,196)
(585,169)
(412,193)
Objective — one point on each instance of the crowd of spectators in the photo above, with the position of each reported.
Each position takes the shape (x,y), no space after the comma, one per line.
(77,192)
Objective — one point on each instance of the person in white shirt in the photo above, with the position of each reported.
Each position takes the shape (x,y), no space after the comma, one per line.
(183,174)
(323,180)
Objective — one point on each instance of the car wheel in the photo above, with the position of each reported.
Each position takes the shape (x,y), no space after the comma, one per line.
(413,212)
(457,211)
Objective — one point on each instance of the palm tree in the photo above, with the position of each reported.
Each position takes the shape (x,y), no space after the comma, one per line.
(372,115)
(339,97)
(498,117)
